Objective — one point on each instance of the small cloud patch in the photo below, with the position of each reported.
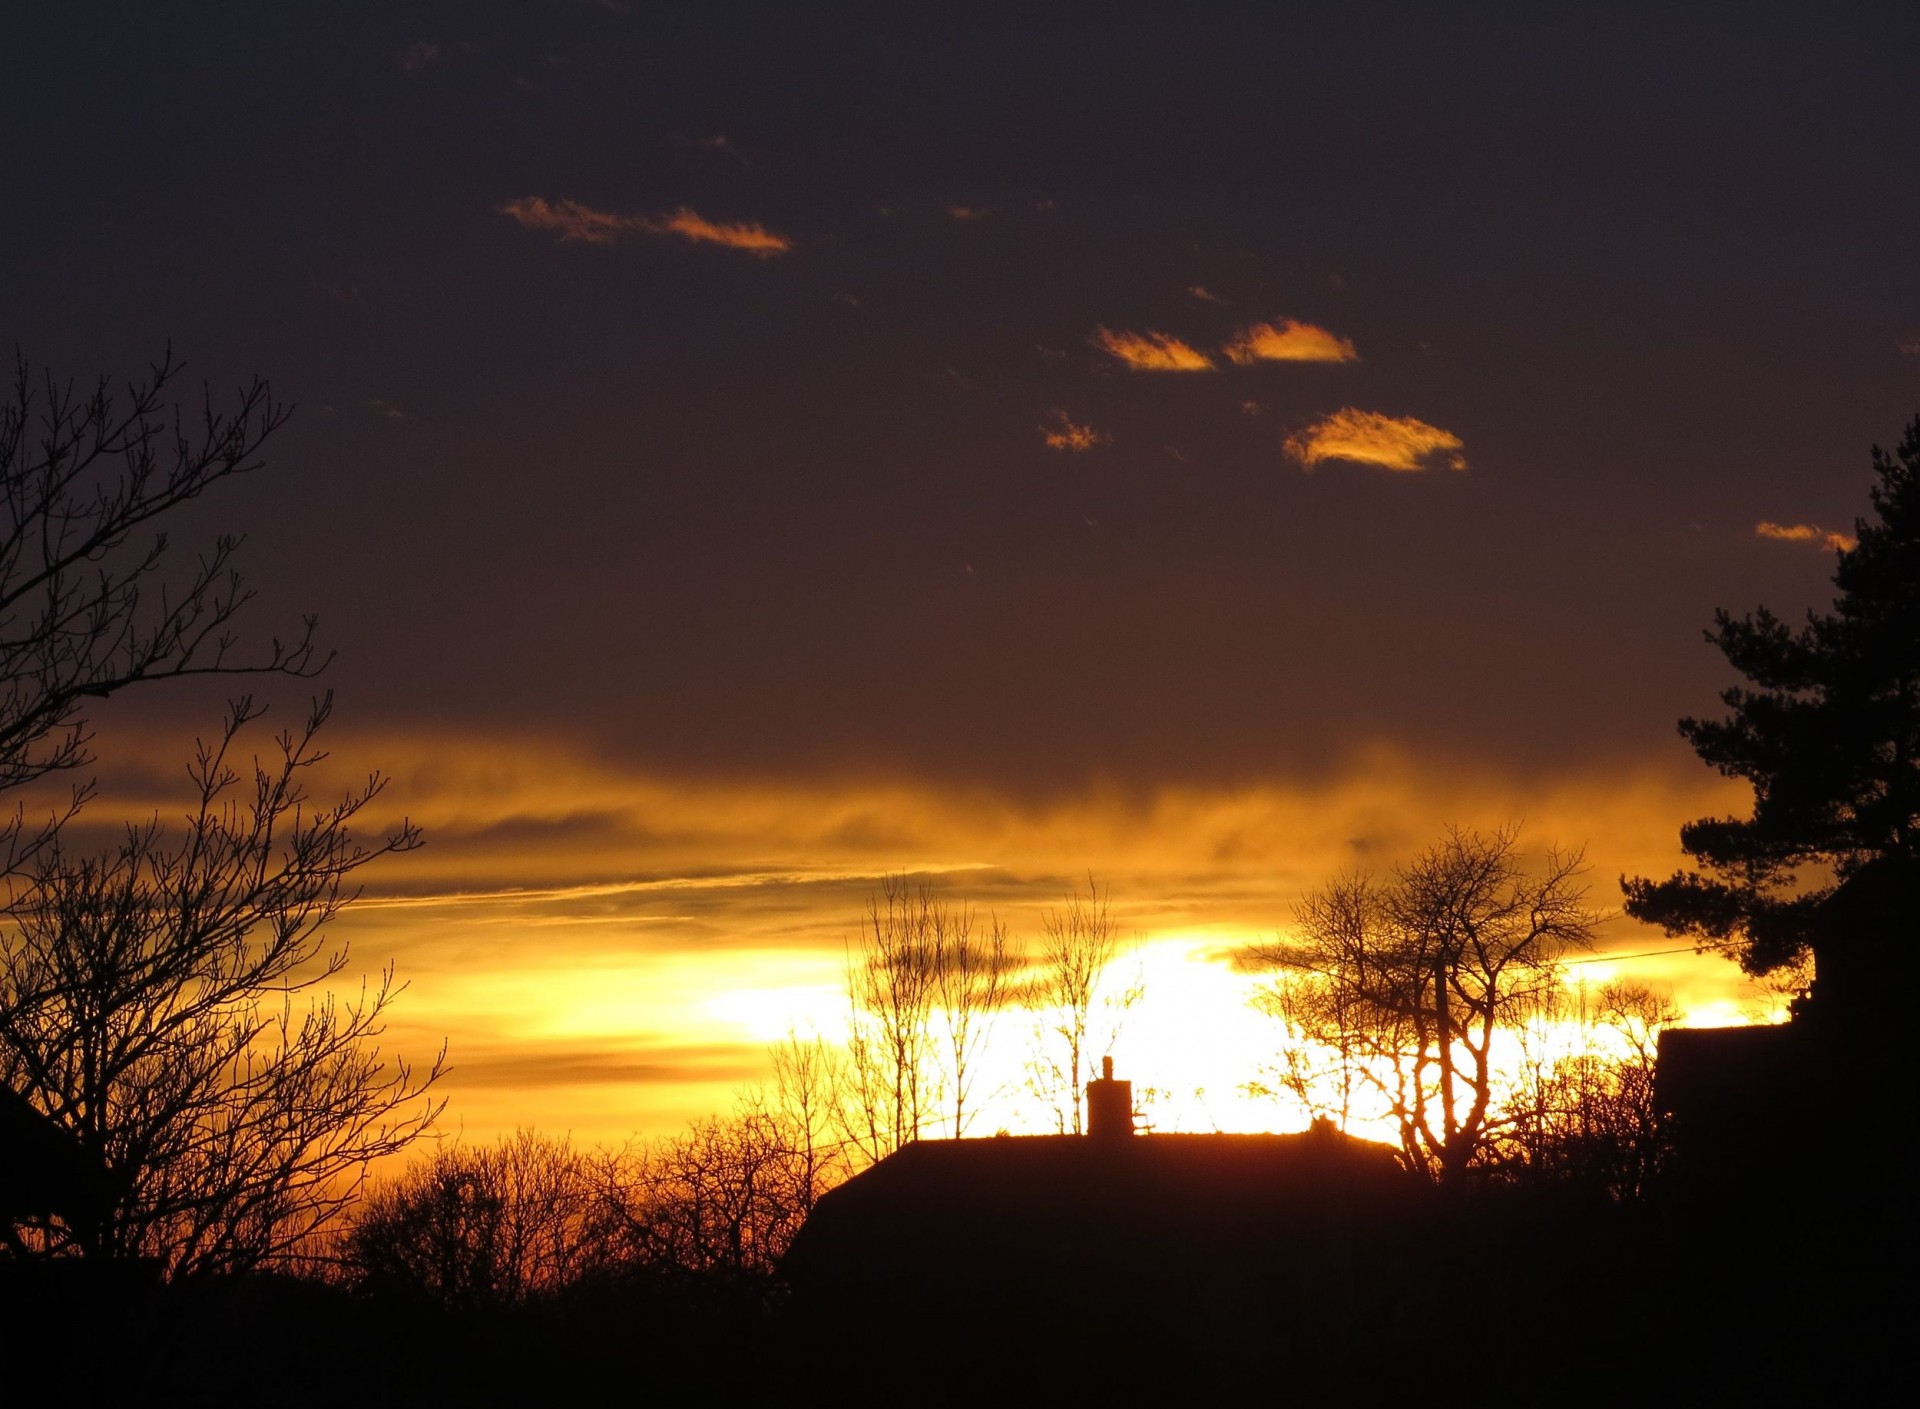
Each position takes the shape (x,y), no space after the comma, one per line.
(745,236)
(1806,533)
(1369,438)
(1288,340)
(1151,352)
(1061,432)
(572,220)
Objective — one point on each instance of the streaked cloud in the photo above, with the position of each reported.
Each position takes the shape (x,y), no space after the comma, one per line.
(1288,340)
(622,944)
(1204,294)
(1062,432)
(1806,533)
(1370,438)
(968,212)
(573,220)
(535,1065)
(1151,351)
(746,236)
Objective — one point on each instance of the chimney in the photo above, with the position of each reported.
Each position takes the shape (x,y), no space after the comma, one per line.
(1109,1105)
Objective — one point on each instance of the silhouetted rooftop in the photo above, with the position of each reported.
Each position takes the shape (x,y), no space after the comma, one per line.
(1136,1175)
(1199,1242)
(1727,1072)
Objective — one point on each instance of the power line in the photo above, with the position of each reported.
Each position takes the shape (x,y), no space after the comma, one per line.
(1643,954)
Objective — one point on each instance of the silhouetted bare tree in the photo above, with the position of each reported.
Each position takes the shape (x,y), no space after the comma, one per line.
(1318,1068)
(1411,980)
(807,1105)
(923,988)
(528,1217)
(485,1226)
(725,1197)
(170,1003)
(971,982)
(1582,1111)
(90,601)
(93,601)
(1069,990)
(892,986)
(722,1200)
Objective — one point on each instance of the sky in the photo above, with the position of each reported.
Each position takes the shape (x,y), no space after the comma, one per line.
(740,452)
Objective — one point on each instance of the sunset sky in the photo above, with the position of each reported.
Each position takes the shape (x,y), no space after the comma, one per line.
(740,452)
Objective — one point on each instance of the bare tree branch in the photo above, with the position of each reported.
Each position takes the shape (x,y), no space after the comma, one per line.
(172,1003)
(90,603)
(1407,982)
(1078,945)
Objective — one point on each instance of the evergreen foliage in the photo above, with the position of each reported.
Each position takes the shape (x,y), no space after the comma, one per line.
(1827,732)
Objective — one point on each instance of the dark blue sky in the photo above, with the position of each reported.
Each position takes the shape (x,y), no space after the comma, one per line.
(713,513)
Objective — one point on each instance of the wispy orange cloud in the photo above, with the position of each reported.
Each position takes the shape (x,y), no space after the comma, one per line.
(747,236)
(1806,533)
(967,212)
(1062,432)
(573,220)
(1288,340)
(1151,352)
(1369,438)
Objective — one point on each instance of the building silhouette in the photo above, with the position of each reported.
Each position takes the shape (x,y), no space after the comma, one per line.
(1209,1253)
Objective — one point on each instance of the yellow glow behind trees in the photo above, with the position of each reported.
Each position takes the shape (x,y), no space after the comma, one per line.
(613,952)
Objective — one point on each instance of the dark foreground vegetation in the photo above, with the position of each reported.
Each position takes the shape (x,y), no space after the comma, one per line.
(1494,1296)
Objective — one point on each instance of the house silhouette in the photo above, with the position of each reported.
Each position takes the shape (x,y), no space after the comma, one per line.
(1766,1119)
(1074,1252)
(46,1174)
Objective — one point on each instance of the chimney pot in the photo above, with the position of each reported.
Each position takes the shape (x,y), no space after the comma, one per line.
(1109,1105)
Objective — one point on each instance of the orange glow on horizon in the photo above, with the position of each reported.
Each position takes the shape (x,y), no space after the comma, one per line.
(612,952)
